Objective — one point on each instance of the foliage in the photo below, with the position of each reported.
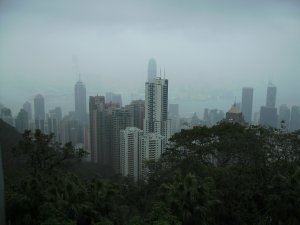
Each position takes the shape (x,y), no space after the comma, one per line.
(227,174)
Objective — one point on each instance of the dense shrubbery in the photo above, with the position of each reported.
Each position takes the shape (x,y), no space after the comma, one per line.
(227,174)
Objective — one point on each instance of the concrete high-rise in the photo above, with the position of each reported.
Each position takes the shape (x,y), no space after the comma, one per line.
(271,96)
(173,115)
(80,102)
(6,116)
(54,119)
(136,110)
(97,128)
(152,70)
(156,108)
(120,120)
(39,112)
(295,118)
(247,102)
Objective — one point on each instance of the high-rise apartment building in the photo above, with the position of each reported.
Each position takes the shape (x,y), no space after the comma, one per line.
(120,120)
(97,128)
(136,110)
(54,118)
(39,112)
(156,108)
(129,152)
(80,102)
(247,102)
(152,70)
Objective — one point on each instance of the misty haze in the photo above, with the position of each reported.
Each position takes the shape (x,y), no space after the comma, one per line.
(161,112)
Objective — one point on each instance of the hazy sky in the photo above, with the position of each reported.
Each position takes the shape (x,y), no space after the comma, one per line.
(210,49)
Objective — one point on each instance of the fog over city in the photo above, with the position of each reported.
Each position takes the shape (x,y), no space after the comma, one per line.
(209,50)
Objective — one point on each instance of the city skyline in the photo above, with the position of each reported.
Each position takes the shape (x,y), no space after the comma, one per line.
(209,50)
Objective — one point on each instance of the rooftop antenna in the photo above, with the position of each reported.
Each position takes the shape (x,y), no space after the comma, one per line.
(160,72)
(234,100)
(164,73)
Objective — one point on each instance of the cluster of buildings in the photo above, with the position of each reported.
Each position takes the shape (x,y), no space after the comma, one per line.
(125,137)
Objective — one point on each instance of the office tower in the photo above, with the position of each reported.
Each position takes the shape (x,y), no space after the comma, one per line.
(27,107)
(97,128)
(247,102)
(120,120)
(268,117)
(284,117)
(6,116)
(39,112)
(22,122)
(129,151)
(206,116)
(152,70)
(174,117)
(86,143)
(234,115)
(80,102)
(213,116)
(295,119)
(268,113)
(113,98)
(271,96)
(256,118)
(54,118)
(136,110)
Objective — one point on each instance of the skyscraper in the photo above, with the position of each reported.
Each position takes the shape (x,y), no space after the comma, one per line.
(152,70)
(271,96)
(295,118)
(22,123)
(80,102)
(27,107)
(120,120)
(6,116)
(284,117)
(247,101)
(39,112)
(173,115)
(268,113)
(156,108)
(96,108)
(136,110)
(129,152)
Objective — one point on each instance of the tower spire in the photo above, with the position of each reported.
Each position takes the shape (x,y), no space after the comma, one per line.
(164,73)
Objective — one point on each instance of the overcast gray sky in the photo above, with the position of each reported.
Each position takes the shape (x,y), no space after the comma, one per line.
(209,48)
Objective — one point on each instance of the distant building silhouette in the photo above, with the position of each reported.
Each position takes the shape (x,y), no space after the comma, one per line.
(22,122)
(27,107)
(268,117)
(174,117)
(54,119)
(152,70)
(247,102)
(111,97)
(271,96)
(80,102)
(295,119)
(39,112)
(234,115)
(284,117)
(268,113)
(6,116)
